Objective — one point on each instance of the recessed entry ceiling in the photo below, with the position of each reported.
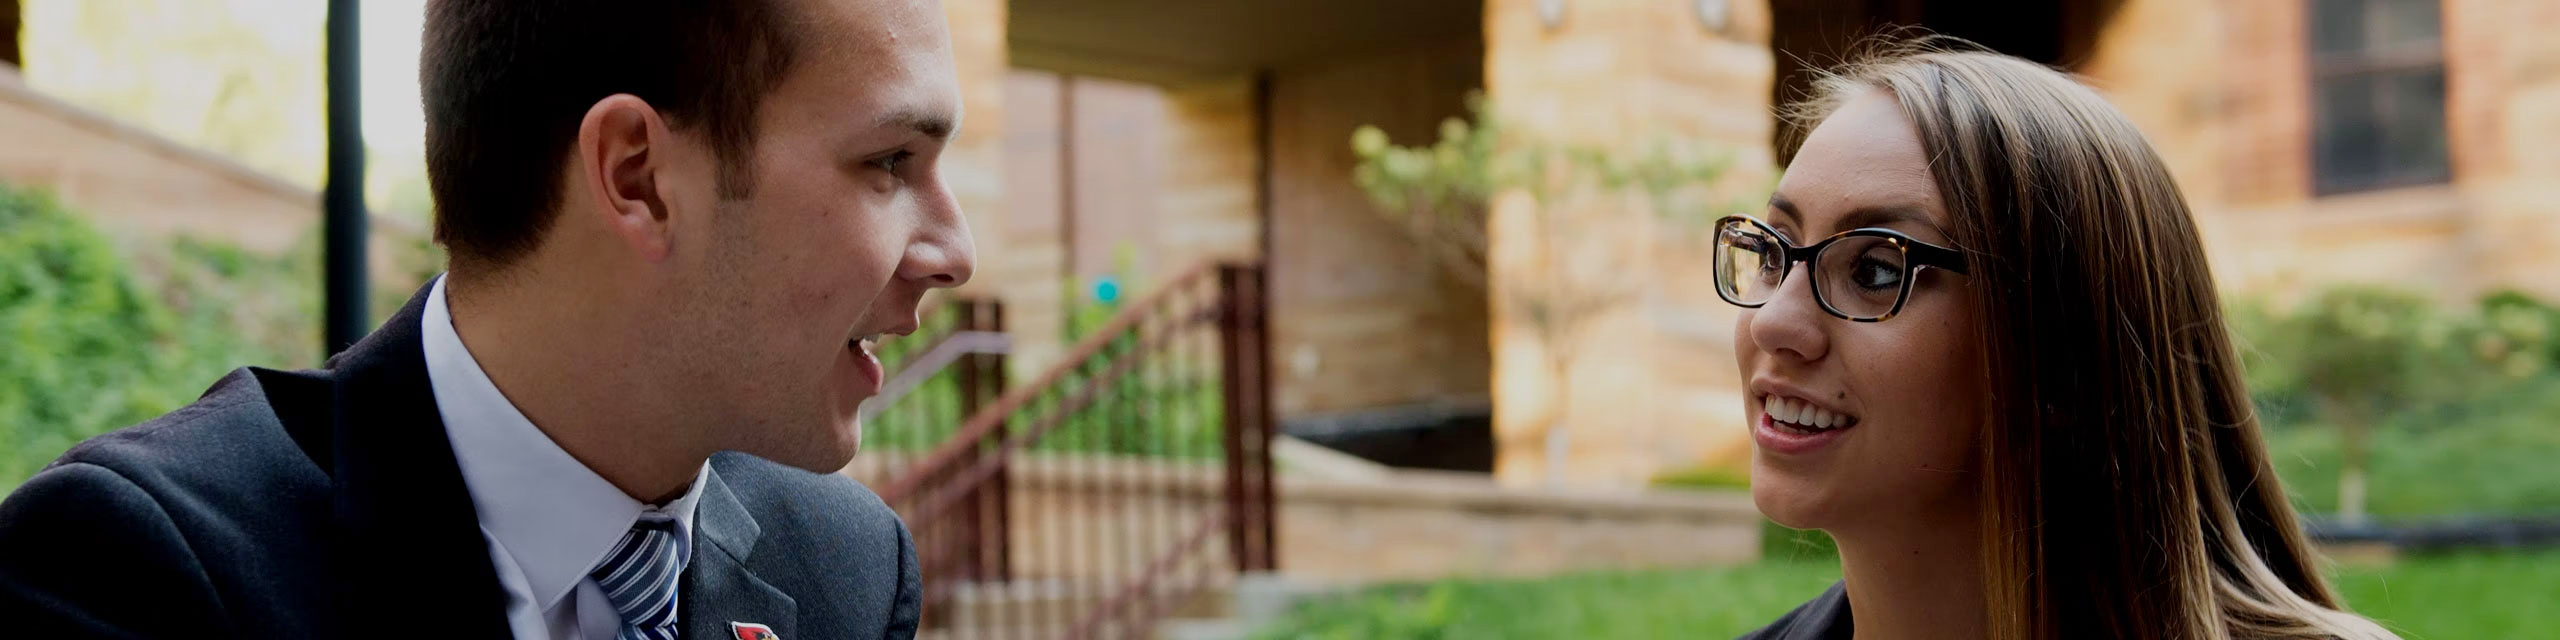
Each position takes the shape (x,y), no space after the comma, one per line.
(1177,41)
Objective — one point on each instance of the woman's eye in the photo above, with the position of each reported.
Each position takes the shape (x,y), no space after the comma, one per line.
(1875,275)
(891,162)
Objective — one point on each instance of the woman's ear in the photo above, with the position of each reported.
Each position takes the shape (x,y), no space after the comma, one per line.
(620,152)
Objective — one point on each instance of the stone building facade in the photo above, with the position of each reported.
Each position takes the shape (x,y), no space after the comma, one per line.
(2233,94)
(2408,142)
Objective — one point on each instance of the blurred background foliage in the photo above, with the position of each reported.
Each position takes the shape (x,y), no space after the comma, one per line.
(99,336)
(99,332)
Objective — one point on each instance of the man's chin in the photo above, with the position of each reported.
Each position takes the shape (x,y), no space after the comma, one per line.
(830,452)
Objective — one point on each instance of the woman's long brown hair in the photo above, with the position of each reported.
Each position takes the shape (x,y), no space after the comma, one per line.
(2126,492)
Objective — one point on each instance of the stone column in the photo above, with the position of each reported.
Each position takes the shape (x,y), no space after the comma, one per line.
(1651,378)
(1008,268)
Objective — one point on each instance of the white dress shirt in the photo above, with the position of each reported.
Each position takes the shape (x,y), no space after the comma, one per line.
(548,518)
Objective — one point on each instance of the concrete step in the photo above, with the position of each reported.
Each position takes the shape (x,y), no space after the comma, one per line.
(1217,629)
(1050,608)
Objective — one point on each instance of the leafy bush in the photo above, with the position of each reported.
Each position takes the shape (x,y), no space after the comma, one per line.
(2487,457)
(2356,359)
(88,343)
(2372,351)
(72,318)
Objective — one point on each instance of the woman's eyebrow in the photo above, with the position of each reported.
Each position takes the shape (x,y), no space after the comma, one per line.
(1786,208)
(1861,217)
(1882,215)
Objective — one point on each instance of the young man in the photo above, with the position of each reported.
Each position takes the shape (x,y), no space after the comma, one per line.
(673,226)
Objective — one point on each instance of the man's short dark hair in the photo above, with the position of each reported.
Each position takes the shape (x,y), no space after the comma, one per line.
(506,82)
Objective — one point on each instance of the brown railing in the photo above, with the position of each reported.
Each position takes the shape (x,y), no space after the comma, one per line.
(1121,486)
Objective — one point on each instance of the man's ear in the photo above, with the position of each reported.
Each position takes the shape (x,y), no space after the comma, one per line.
(622,145)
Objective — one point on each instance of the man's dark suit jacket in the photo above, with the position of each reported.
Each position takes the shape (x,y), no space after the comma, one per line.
(327,504)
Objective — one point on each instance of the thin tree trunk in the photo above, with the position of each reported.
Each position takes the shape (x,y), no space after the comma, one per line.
(2351,471)
(2352,435)
(1559,442)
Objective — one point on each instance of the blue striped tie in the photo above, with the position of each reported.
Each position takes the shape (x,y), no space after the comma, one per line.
(639,577)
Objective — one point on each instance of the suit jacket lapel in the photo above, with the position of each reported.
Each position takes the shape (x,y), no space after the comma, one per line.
(718,587)
(408,541)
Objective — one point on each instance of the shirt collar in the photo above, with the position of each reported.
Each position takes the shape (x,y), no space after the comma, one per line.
(548,511)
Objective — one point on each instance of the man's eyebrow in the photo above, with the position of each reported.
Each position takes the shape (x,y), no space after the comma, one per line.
(931,125)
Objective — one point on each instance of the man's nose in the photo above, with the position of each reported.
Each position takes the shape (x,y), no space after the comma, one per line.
(944,255)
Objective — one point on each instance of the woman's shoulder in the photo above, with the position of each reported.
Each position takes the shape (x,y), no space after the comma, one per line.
(1825,617)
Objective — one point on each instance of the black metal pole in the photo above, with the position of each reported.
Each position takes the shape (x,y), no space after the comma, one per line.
(9,25)
(343,198)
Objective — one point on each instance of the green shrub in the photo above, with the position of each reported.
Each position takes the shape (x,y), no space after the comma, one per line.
(2368,352)
(74,321)
(89,342)
(2492,456)
(2374,367)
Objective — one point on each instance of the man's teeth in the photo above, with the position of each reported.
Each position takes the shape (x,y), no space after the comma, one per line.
(1803,414)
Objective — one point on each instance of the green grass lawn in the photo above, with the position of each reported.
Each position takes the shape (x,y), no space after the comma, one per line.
(2481,595)
(2451,597)
(1667,604)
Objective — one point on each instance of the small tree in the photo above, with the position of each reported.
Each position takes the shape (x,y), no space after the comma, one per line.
(2358,355)
(1441,196)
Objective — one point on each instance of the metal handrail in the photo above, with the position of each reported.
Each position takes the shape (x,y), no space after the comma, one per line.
(1110,554)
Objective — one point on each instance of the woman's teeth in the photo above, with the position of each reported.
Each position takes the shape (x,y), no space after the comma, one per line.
(1803,415)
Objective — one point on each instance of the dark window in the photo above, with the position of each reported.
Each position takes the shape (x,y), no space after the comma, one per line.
(2377,85)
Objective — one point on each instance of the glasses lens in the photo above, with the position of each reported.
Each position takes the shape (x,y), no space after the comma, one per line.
(1748,262)
(1862,276)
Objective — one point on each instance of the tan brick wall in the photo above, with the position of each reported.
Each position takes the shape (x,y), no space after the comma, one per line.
(1014,265)
(1088,515)
(1361,317)
(1425,526)
(132,182)
(1206,206)
(1120,156)
(1166,173)
(1033,264)
(2506,123)
(1653,386)
(2222,89)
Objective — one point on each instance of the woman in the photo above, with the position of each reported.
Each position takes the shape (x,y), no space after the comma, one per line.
(1985,355)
